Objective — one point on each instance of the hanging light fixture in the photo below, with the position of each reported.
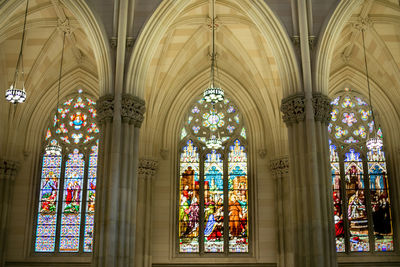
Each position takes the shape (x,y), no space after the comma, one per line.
(213,94)
(374,142)
(53,148)
(13,94)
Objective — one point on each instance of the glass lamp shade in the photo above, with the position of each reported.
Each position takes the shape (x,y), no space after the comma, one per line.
(213,95)
(53,150)
(15,95)
(374,143)
(214,143)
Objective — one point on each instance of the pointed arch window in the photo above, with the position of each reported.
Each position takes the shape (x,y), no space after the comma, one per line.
(213,183)
(65,211)
(362,211)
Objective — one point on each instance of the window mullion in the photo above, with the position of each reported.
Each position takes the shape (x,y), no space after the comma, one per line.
(83,203)
(60,203)
(343,192)
(368,204)
(201,217)
(226,207)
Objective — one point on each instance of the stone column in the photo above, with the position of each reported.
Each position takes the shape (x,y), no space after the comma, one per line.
(280,172)
(147,170)
(115,218)
(311,206)
(8,171)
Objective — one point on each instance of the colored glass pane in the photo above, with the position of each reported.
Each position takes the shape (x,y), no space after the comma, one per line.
(356,201)
(337,199)
(48,203)
(183,133)
(189,199)
(90,200)
(243,133)
(365,202)
(213,203)
(380,201)
(223,193)
(72,125)
(238,198)
(71,208)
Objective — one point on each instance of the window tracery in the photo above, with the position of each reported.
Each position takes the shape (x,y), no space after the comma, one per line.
(361,198)
(213,183)
(68,182)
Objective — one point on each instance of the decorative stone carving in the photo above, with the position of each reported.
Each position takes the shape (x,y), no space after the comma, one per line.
(362,23)
(280,166)
(312,41)
(105,108)
(293,108)
(164,152)
(296,41)
(64,26)
(113,42)
(8,169)
(130,41)
(322,108)
(262,153)
(132,109)
(147,167)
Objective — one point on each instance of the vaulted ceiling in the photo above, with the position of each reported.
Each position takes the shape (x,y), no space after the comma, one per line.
(46,22)
(381,21)
(248,70)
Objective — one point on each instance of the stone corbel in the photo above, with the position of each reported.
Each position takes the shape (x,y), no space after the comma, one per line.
(293,109)
(132,109)
(322,108)
(280,167)
(147,167)
(105,108)
(8,169)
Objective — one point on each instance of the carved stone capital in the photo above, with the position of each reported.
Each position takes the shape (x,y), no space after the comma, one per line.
(280,167)
(105,108)
(293,108)
(322,108)
(8,169)
(132,109)
(147,167)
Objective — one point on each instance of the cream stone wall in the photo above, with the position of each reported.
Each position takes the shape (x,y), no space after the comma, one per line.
(163,59)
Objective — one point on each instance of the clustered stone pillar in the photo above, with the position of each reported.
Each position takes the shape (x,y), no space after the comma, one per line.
(147,170)
(311,207)
(280,172)
(115,219)
(8,171)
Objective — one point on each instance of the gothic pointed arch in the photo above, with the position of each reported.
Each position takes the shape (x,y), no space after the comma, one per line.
(213,181)
(64,220)
(360,181)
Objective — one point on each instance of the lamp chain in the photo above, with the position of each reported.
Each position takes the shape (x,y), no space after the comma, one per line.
(368,84)
(20,58)
(59,77)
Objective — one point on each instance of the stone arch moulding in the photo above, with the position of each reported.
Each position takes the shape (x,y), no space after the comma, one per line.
(330,33)
(167,12)
(92,26)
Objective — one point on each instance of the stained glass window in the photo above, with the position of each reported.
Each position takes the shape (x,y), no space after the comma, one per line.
(213,183)
(361,201)
(69,179)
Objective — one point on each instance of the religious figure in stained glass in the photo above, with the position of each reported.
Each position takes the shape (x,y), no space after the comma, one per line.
(218,177)
(360,190)
(74,128)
